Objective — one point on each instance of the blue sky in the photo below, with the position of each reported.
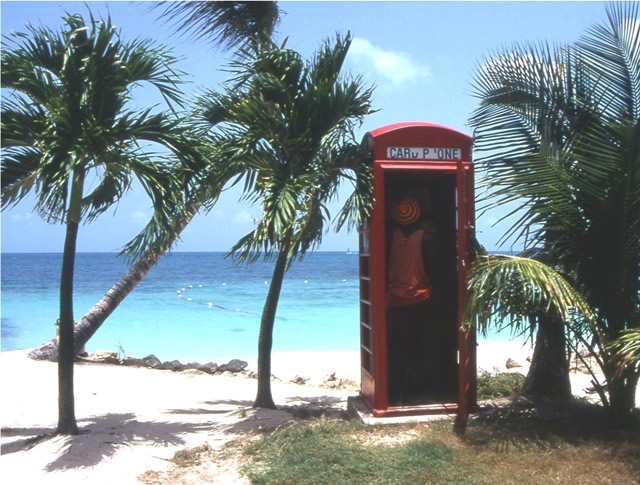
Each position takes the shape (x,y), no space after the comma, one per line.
(420,55)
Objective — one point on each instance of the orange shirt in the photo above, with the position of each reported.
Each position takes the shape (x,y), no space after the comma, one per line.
(407,282)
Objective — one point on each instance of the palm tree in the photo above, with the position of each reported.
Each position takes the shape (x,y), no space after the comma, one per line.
(247,25)
(288,124)
(560,129)
(65,122)
(524,295)
(150,245)
(244,25)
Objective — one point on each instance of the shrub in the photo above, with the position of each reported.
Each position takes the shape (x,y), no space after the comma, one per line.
(498,384)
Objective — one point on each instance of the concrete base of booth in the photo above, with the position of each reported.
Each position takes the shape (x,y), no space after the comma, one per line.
(358,409)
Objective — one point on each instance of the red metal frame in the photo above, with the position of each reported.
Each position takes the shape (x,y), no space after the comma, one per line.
(374,380)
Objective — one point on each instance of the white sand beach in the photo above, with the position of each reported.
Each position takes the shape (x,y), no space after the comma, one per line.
(133,420)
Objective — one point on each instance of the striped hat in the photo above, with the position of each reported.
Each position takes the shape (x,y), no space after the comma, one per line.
(406,211)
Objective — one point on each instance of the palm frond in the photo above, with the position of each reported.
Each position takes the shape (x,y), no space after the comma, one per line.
(115,181)
(286,126)
(224,24)
(626,350)
(22,122)
(66,112)
(507,291)
(19,174)
(612,50)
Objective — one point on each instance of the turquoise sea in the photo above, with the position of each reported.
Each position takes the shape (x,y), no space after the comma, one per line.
(318,309)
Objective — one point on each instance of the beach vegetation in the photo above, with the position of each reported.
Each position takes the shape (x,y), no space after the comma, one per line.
(71,138)
(191,456)
(343,452)
(516,448)
(626,350)
(286,125)
(523,294)
(493,385)
(557,132)
(226,25)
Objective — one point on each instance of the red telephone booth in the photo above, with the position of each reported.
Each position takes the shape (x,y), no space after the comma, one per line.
(431,164)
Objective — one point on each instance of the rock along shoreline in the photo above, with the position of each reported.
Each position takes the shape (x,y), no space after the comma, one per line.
(233,368)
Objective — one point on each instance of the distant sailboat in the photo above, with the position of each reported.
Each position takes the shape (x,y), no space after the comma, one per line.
(351,252)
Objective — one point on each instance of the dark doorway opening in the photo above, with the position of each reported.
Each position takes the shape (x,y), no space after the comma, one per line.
(422,339)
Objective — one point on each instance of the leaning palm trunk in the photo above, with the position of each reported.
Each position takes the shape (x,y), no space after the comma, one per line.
(87,326)
(265,337)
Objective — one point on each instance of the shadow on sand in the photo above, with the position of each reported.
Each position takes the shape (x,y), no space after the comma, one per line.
(101,436)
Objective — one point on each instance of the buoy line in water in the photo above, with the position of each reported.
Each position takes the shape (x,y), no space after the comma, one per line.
(182,291)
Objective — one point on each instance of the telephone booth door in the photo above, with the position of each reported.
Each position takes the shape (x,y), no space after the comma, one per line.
(415,358)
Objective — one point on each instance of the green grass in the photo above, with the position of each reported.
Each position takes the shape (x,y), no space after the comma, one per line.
(339,452)
(514,448)
(498,384)
(521,442)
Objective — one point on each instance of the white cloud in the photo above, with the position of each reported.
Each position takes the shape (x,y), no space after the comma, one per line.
(243,217)
(139,216)
(395,66)
(219,215)
(226,216)
(21,217)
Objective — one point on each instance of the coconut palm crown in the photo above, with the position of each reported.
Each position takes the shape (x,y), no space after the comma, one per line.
(65,114)
(70,138)
(287,126)
(246,25)
(558,131)
(203,183)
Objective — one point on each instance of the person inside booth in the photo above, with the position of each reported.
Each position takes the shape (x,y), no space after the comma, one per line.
(412,342)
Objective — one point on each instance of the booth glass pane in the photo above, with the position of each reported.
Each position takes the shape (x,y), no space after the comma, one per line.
(365,337)
(364,290)
(364,266)
(365,313)
(365,359)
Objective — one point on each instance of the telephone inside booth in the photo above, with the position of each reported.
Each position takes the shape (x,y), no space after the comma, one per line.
(415,358)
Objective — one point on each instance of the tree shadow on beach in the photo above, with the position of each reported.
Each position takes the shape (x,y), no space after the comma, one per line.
(100,437)
(316,400)
(238,417)
(33,437)
(316,406)
(194,411)
(225,406)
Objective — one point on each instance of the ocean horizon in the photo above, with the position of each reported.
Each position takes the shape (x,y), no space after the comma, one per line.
(192,306)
